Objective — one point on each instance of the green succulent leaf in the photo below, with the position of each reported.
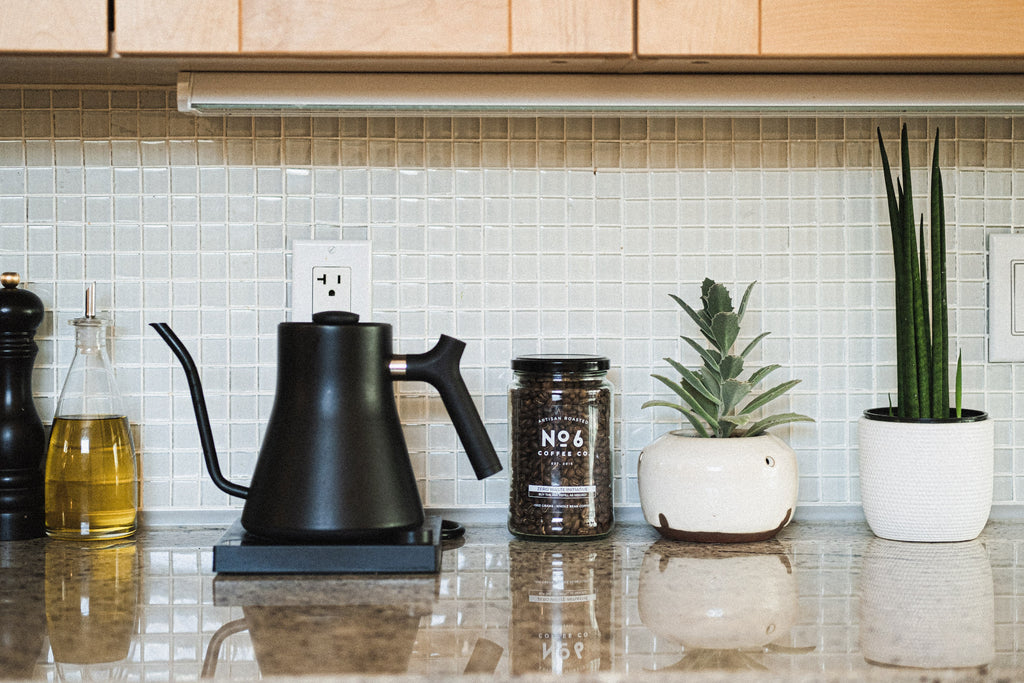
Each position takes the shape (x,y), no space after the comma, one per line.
(690,400)
(711,357)
(733,391)
(717,300)
(750,347)
(692,417)
(746,298)
(731,367)
(725,327)
(694,380)
(756,377)
(769,395)
(703,322)
(760,426)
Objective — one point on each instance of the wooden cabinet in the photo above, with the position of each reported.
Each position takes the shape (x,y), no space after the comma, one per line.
(55,26)
(697,27)
(384,27)
(572,27)
(888,28)
(176,26)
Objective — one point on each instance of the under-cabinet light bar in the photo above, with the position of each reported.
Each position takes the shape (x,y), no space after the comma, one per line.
(418,94)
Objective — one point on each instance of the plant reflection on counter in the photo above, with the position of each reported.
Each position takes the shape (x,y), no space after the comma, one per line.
(927,606)
(92,598)
(724,608)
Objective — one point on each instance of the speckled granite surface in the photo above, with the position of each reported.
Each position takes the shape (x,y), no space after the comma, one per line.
(820,602)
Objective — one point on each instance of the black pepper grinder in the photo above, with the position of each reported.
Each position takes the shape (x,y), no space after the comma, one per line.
(22,439)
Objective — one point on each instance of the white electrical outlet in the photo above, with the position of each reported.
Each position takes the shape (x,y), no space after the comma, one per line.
(330,276)
(1006,297)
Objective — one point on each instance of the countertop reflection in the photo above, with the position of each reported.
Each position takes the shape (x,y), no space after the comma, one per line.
(820,601)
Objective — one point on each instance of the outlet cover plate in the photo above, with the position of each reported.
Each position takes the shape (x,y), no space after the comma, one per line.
(347,261)
(1006,297)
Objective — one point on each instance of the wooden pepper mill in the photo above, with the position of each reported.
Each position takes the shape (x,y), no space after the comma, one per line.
(22,439)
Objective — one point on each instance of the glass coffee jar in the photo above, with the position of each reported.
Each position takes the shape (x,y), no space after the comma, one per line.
(560,447)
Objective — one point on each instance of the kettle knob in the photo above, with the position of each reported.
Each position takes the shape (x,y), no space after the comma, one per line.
(335,318)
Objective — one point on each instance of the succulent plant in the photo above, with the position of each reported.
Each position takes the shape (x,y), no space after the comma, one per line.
(922,327)
(712,395)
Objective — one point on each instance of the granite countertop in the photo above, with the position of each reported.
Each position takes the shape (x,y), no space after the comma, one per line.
(821,601)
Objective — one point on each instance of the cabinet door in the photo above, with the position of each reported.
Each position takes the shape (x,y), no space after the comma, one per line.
(53,26)
(884,28)
(572,27)
(697,27)
(176,26)
(408,27)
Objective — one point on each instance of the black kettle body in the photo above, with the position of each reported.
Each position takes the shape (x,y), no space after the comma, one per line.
(334,466)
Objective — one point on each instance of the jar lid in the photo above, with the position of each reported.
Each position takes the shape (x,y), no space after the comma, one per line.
(560,363)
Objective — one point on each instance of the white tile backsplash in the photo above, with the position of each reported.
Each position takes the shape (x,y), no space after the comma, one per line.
(516,235)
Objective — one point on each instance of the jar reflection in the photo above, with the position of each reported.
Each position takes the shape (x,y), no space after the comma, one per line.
(91,603)
(561,608)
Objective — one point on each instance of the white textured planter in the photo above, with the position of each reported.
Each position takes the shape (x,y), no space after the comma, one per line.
(926,480)
(717,490)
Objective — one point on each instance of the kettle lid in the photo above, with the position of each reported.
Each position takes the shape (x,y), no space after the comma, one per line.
(335,318)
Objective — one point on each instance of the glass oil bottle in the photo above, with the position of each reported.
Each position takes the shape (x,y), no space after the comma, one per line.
(92,484)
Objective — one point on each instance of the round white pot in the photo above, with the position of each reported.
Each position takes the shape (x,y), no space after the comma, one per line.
(717,490)
(926,480)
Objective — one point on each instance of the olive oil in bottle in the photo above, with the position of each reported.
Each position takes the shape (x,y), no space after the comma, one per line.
(92,483)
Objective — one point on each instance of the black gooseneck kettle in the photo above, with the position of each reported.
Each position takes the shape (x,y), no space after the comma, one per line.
(334,466)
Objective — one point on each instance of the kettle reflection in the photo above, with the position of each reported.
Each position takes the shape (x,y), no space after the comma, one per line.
(927,605)
(321,625)
(561,607)
(722,606)
(91,600)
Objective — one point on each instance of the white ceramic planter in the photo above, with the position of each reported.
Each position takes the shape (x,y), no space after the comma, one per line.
(717,490)
(926,481)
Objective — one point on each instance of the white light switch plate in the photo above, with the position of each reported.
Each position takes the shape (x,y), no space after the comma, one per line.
(1006,297)
(330,275)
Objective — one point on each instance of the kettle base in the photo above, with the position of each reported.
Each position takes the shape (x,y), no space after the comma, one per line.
(416,551)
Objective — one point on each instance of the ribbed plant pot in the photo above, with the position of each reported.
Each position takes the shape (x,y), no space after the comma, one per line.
(712,490)
(926,480)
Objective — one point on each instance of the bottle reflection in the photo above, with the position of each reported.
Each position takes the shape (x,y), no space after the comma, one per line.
(561,608)
(725,608)
(91,604)
(927,605)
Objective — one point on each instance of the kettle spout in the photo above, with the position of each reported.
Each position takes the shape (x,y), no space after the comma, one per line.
(202,418)
(440,367)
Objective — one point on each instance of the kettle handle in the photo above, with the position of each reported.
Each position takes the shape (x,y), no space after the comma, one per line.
(202,418)
(440,367)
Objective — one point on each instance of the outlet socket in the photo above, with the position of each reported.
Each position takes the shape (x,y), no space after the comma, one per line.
(330,276)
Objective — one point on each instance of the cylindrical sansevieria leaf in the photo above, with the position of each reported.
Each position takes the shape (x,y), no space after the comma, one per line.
(940,313)
(922,319)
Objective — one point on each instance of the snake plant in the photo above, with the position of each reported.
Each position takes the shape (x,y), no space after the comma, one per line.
(922,322)
(712,395)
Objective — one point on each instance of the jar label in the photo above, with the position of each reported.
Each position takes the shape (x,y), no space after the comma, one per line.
(540,491)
